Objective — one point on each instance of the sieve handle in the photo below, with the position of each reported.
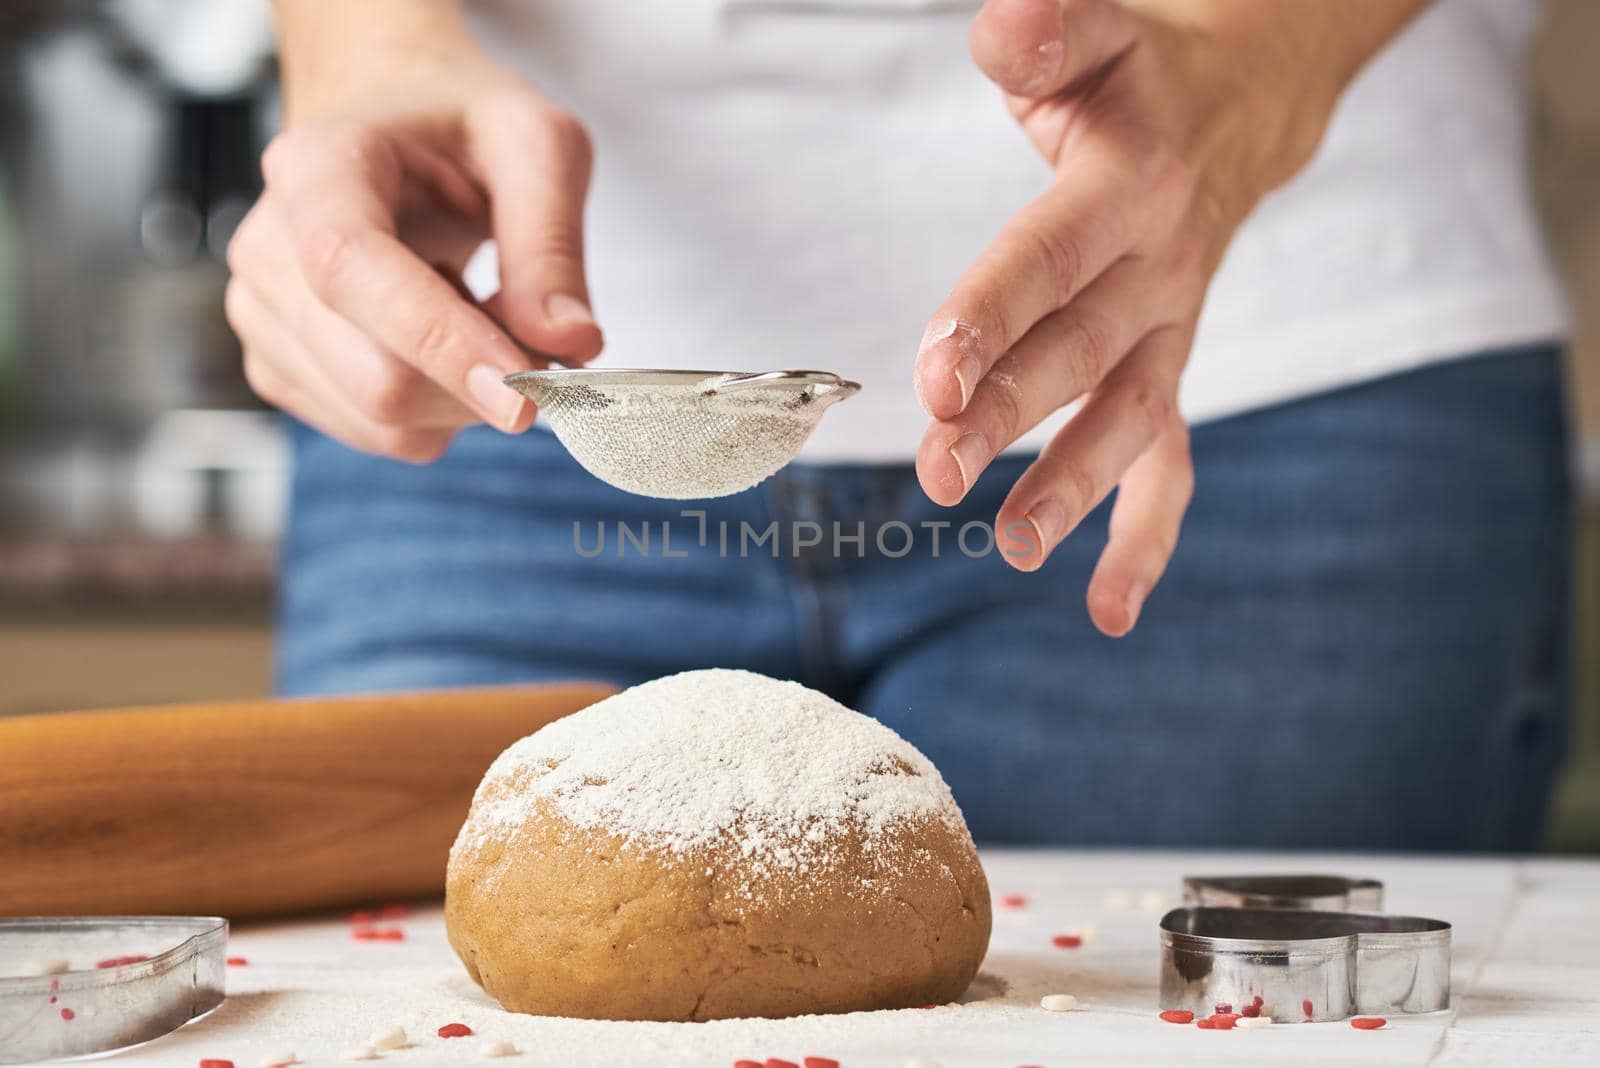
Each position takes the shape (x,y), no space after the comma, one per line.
(830,383)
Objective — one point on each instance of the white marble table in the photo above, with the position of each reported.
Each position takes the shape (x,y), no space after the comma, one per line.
(1526,985)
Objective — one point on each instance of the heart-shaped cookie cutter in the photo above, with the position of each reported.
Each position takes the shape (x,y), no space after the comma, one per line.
(1290,947)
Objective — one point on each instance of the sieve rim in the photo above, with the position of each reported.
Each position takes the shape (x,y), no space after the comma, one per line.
(559,377)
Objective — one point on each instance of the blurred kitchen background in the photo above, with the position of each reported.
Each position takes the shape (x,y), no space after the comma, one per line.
(142,486)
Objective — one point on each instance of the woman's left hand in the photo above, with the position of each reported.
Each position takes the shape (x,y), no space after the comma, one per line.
(1164,123)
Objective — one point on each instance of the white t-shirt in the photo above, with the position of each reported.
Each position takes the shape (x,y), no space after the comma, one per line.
(798,183)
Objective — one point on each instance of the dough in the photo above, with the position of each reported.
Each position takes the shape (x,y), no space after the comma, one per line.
(715,844)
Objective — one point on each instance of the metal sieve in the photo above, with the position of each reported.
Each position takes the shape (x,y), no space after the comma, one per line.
(681,434)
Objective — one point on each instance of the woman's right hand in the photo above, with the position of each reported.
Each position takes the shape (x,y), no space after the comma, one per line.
(403,151)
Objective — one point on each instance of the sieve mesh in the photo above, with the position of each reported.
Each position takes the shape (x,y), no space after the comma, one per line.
(681,434)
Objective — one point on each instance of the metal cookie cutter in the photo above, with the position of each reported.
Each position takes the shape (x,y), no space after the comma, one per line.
(1303,949)
(71,986)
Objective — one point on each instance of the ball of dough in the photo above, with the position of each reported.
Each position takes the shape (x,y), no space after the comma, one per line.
(716,844)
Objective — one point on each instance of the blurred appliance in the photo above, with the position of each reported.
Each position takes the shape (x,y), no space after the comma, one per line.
(129,174)
(129,137)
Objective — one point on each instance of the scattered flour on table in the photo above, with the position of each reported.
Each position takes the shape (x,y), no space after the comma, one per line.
(715,757)
(323,1011)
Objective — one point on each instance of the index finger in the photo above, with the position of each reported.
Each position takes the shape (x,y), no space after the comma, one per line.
(342,222)
(1043,257)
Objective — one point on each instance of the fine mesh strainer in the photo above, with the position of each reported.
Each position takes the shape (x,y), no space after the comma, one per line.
(681,434)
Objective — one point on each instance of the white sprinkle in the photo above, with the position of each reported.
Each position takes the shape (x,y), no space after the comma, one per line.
(1087,932)
(1119,899)
(921,1062)
(363,1053)
(33,968)
(1154,901)
(279,1060)
(1252,1023)
(393,1038)
(497,1048)
(1058,1002)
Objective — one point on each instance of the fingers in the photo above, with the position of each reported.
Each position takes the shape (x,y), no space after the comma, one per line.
(1135,402)
(338,192)
(1064,356)
(1044,257)
(1037,48)
(536,161)
(285,375)
(1151,500)
(371,380)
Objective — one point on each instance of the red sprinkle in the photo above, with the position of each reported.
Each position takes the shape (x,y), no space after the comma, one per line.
(1260,1001)
(927,1006)
(52,999)
(213,1062)
(397,911)
(1067,941)
(454,1030)
(747,1064)
(1305,1007)
(378,934)
(1013,901)
(1182,1016)
(237,962)
(117,962)
(820,1062)
(1223,1021)
(67,1014)
(1368,1023)
(1250,1010)
(779,1062)
(1204,1025)
(1222,1006)
(361,916)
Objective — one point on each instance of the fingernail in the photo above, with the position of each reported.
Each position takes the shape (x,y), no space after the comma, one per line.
(499,404)
(933,335)
(967,372)
(566,310)
(1049,522)
(971,452)
(1136,595)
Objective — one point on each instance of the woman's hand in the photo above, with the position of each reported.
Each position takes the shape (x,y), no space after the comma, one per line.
(1164,122)
(406,147)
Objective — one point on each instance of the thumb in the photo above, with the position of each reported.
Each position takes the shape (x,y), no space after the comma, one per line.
(535,162)
(1038,48)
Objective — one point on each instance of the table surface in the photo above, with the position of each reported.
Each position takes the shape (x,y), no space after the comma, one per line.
(1526,978)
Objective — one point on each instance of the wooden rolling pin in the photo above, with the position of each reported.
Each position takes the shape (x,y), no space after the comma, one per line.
(250,807)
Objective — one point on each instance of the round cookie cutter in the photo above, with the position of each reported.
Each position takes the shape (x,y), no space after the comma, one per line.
(171,971)
(1298,964)
(1317,893)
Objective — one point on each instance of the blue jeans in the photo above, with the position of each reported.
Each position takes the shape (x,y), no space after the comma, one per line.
(1360,642)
